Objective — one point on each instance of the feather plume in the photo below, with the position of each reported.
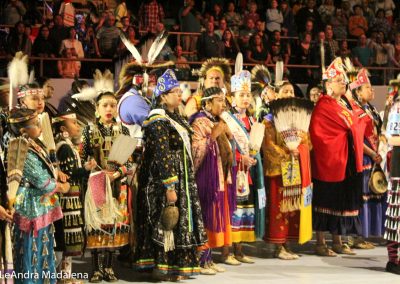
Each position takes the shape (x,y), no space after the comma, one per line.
(260,78)
(86,94)
(256,137)
(31,76)
(18,70)
(122,149)
(47,132)
(239,63)
(156,47)
(18,150)
(278,72)
(103,82)
(322,52)
(132,49)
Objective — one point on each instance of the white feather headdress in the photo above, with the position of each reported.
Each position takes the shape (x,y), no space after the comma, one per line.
(103,83)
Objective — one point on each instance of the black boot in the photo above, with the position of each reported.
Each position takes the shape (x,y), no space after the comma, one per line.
(109,275)
(393,268)
(97,274)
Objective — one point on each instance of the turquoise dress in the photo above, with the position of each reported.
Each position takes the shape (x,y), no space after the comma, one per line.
(36,208)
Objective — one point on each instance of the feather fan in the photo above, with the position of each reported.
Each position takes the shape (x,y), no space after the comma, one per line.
(122,149)
(17,152)
(292,117)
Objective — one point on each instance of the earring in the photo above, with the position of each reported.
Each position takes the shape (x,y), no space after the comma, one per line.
(65,134)
(96,114)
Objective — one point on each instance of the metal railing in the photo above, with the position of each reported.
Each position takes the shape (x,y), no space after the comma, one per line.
(196,64)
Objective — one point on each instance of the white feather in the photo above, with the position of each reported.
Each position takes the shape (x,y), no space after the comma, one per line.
(322,51)
(156,48)
(18,70)
(31,76)
(278,72)
(86,94)
(133,50)
(239,63)
(103,82)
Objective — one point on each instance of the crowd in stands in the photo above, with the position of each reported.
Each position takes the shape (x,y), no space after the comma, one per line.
(367,31)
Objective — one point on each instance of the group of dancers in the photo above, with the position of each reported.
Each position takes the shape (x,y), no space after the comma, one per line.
(169,179)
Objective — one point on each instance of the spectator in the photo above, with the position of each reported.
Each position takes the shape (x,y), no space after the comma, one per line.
(362,53)
(120,13)
(222,27)
(381,54)
(18,40)
(260,30)
(279,49)
(380,23)
(44,47)
(3,52)
(396,50)
(72,42)
(326,11)
(332,44)
(67,12)
(309,28)
(181,61)
(209,45)
(246,33)
(231,48)
(217,13)
(88,43)
(32,15)
(289,25)
(368,12)
(388,6)
(357,23)
(303,57)
(81,31)
(68,68)
(307,13)
(28,33)
(107,38)
(233,19)
(58,33)
(252,13)
(189,24)
(257,53)
(124,24)
(344,49)
(150,14)
(14,12)
(274,18)
(339,24)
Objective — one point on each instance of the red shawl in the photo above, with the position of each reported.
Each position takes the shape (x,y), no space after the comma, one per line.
(330,124)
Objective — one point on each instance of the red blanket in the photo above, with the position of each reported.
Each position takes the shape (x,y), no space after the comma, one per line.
(330,124)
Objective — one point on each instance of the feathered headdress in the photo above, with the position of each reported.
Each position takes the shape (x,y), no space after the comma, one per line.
(140,66)
(220,64)
(18,76)
(103,83)
(278,74)
(260,78)
(351,70)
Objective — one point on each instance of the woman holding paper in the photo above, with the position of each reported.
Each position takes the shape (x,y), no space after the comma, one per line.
(106,209)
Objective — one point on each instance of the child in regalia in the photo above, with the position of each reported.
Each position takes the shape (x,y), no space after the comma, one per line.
(36,203)
(69,231)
